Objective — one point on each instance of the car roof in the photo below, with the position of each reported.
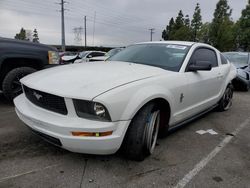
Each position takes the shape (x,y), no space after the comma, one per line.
(186,43)
(89,51)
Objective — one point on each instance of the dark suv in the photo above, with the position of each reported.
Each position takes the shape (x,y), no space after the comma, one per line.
(19,58)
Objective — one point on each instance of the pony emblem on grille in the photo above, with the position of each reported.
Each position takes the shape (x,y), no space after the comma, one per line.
(38,96)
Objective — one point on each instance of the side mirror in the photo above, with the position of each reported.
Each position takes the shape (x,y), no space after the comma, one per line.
(89,56)
(200,66)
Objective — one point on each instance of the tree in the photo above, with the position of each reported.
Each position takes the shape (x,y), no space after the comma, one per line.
(166,34)
(179,21)
(196,22)
(21,35)
(35,36)
(187,21)
(244,28)
(178,29)
(221,31)
(203,33)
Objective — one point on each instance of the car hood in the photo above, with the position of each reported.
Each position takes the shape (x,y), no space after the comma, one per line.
(86,81)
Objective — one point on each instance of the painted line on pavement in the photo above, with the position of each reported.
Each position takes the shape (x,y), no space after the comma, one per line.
(199,166)
(7,112)
(25,173)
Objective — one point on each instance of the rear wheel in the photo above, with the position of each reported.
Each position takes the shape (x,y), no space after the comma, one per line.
(226,101)
(11,83)
(140,139)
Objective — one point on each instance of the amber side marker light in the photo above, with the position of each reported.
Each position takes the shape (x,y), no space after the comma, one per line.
(92,134)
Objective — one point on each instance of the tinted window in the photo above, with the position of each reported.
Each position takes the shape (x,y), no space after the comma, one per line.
(223,59)
(204,55)
(166,56)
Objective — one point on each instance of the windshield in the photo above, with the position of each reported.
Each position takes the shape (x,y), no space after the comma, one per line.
(83,54)
(112,52)
(237,58)
(166,56)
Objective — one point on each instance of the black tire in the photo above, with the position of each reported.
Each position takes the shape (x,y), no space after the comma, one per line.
(226,101)
(11,83)
(245,87)
(141,136)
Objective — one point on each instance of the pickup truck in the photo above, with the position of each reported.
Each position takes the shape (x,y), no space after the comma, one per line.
(20,58)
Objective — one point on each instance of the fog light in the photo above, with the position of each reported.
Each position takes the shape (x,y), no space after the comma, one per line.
(92,134)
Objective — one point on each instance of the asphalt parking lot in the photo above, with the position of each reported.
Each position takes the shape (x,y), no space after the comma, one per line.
(183,159)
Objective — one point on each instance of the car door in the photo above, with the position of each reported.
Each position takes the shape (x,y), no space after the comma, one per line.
(203,86)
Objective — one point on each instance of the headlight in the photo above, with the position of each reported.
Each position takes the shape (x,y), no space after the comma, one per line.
(91,110)
(53,57)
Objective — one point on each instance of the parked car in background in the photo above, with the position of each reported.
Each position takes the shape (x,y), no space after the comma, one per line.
(110,53)
(241,60)
(68,57)
(20,58)
(86,55)
(141,92)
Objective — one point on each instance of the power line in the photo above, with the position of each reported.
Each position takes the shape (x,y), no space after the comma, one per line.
(104,19)
(125,22)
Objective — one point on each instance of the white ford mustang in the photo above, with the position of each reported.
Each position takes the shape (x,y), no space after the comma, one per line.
(129,100)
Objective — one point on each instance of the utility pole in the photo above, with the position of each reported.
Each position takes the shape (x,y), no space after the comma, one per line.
(151,33)
(93,40)
(62,24)
(85,30)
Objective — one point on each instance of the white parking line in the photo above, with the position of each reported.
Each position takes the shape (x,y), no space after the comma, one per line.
(199,166)
(7,112)
(28,172)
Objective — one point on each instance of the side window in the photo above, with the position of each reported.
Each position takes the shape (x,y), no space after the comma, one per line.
(90,55)
(204,55)
(97,54)
(223,59)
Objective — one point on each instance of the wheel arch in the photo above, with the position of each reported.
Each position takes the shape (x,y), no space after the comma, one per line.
(10,63)
(139,98)
(159,102)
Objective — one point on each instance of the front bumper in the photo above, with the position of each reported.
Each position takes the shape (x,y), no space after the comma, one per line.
(60,127)
(240,82)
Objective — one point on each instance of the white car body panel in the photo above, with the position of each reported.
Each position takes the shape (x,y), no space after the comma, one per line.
(68,57)
(60,126)
(86,58)
(123,88)
(100,58)
(72,78)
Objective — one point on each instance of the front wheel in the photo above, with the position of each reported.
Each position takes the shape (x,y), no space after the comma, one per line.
(11,83)
(140,139)
(226,101)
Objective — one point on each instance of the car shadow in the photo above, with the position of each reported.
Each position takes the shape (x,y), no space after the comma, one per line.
(4,101)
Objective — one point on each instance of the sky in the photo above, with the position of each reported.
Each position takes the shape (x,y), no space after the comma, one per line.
(109,22)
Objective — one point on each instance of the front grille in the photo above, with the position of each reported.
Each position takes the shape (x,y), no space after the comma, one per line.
(48,138)
(45,100)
